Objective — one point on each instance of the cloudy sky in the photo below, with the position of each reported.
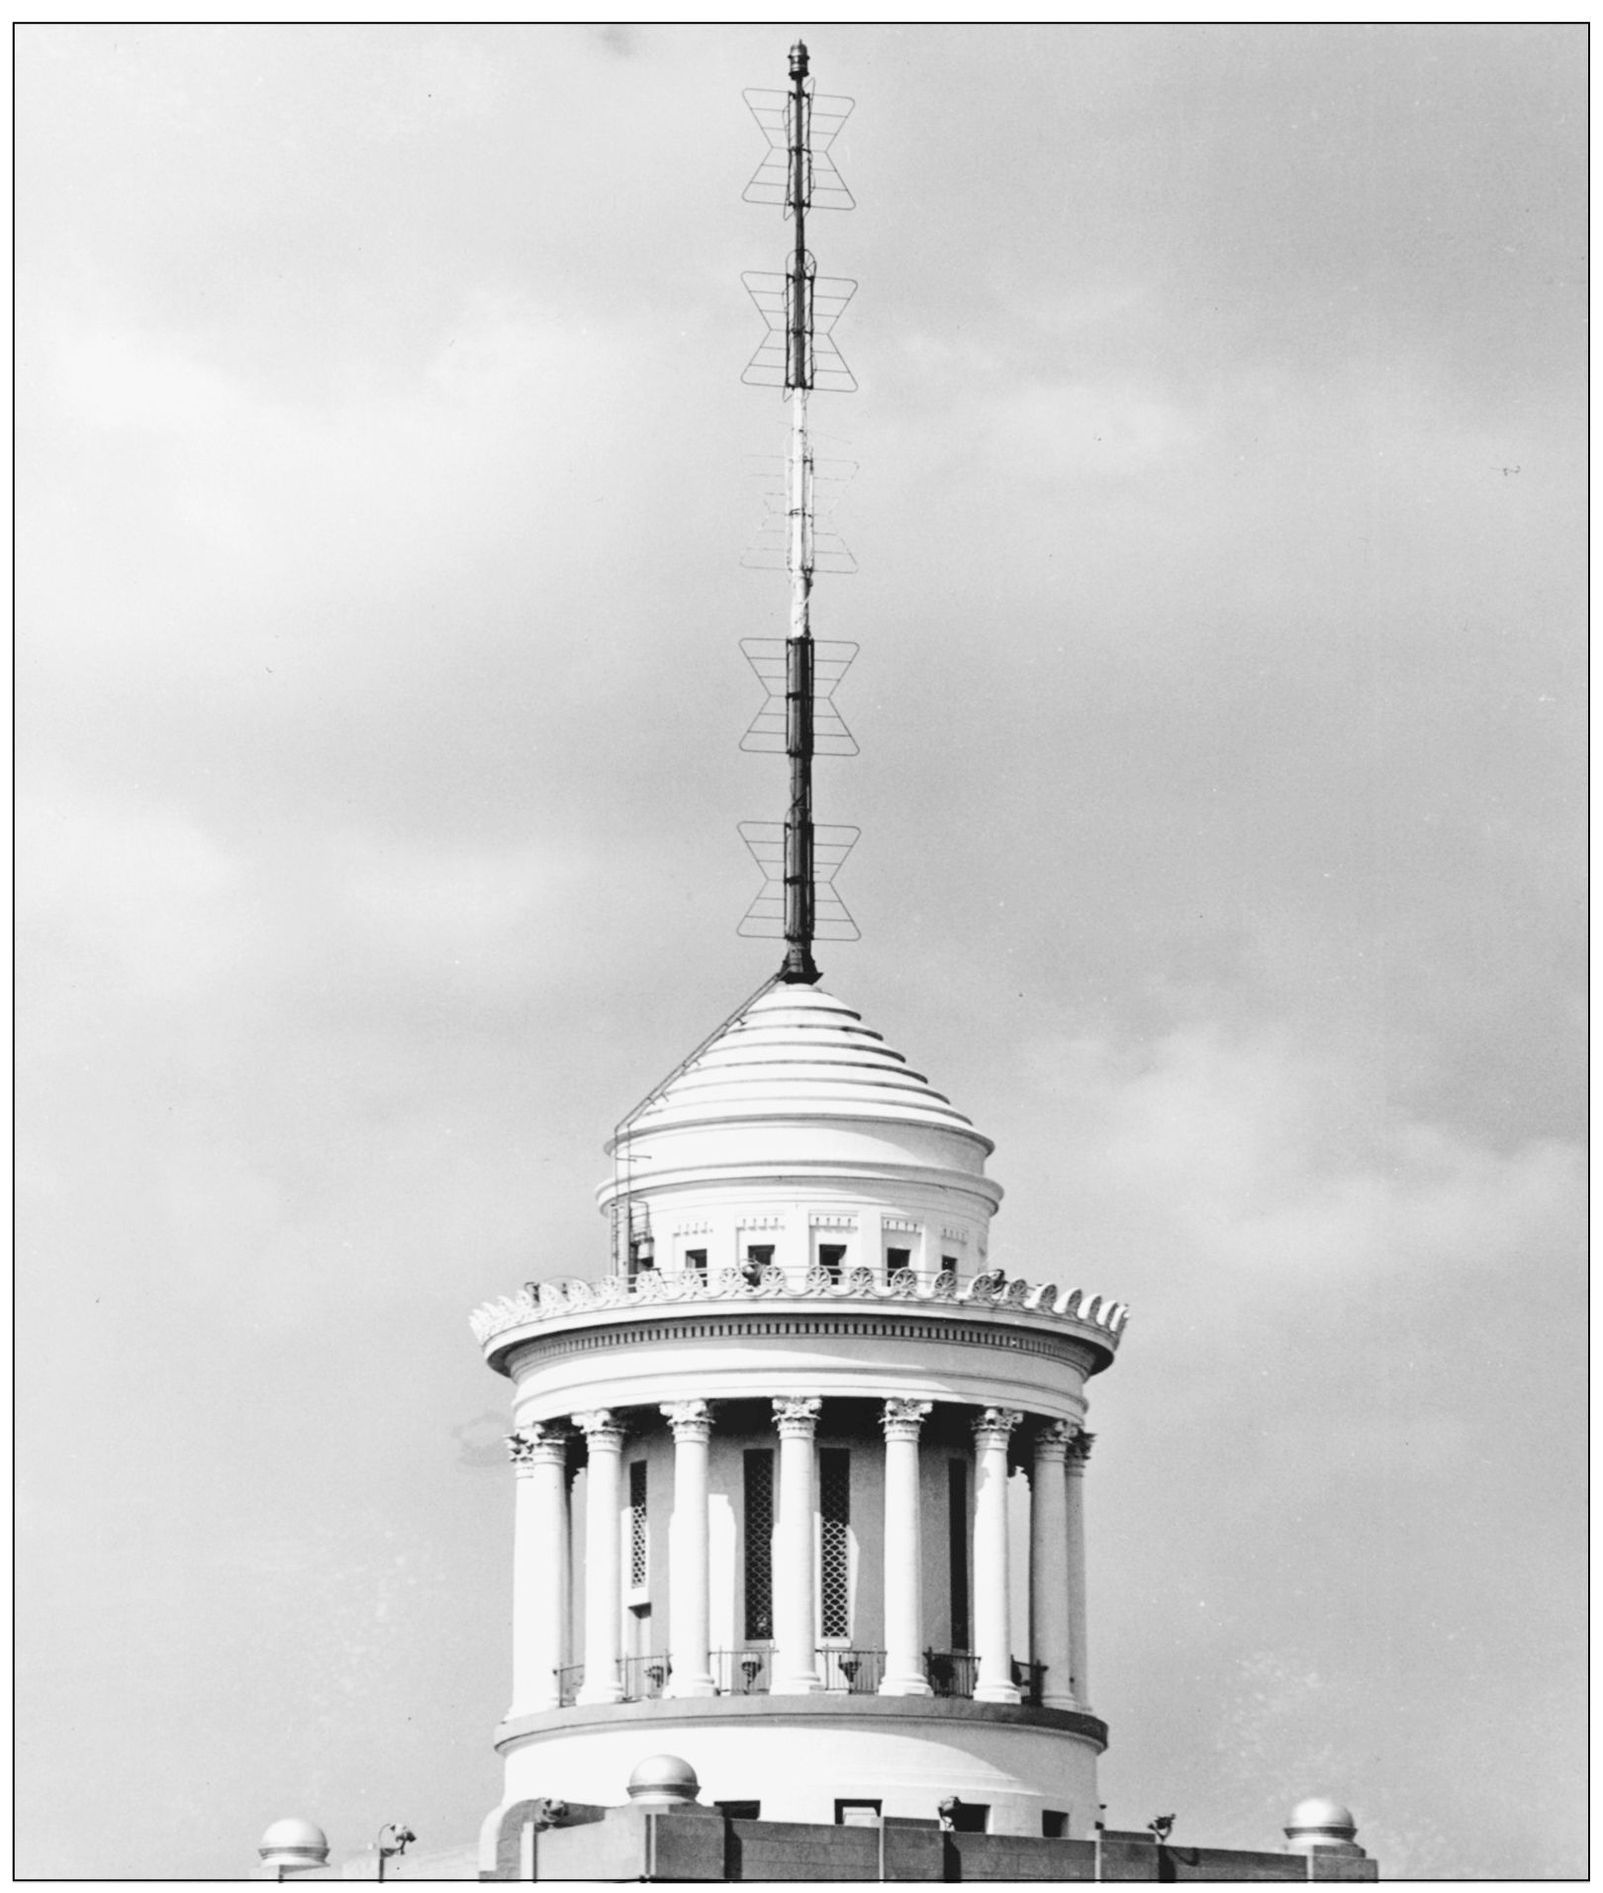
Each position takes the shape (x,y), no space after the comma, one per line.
(385,472)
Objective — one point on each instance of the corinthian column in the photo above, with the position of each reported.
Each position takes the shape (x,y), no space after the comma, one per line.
(1079,1453)
(993,1639)
(688,1636)
(1049,1565)
(603,1597)
(904,1558)
(795,1661)
(539,1560)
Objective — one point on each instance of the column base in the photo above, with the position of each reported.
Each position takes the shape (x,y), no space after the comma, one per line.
(607,1693)
(692,1686)
(998,1692)
(797,1685)
(1072,1704)
(905,1686)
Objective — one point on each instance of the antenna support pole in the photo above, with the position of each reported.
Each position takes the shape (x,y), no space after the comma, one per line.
(799,967)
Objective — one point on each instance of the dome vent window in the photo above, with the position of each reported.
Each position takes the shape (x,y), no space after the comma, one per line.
(637,1525)
(835,1547)
(759,1550)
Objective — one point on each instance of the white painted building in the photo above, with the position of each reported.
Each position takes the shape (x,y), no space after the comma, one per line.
(762,1470)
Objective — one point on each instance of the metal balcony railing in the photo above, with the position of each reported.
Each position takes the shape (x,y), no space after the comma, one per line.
(854,1672)
(955,1672)
(746,1672)
(1028,1677)
(569,1680)
(643,1677)
(951,1672)
(741,1672)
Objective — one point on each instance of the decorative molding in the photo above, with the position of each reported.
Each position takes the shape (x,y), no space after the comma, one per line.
(542,1445)
(691,1420)
(1080,1450)
(903,1418)
(601,1429)
(1052,1442)
(550,1300)
(900,1324)
(995,1426)
(796,1415)
(826,1219)
(819,1711)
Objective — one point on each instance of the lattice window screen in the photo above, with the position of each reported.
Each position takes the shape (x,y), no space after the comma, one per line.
(835,1566)
(759,1524)
(637,1525)
(957,1548)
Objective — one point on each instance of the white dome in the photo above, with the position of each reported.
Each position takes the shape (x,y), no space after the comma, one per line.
(794,1114)
(798,1052)
(1320,1814)
(292,1842)
(663,1779)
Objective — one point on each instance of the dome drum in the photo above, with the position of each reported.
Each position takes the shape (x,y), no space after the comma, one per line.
(896,1554)
(800,1484)
(799,1759)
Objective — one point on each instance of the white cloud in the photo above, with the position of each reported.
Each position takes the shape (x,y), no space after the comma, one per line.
(1257,1159)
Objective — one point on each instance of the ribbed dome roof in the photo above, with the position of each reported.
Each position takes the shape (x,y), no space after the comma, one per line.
(798,1052)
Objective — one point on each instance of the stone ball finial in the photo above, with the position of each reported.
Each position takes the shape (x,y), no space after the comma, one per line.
(294,1843)
(1322,1823)
(664,1781)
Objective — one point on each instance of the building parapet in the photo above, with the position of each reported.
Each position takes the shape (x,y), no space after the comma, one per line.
(562,1296)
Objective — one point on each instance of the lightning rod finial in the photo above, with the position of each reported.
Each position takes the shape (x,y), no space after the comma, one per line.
(798,60)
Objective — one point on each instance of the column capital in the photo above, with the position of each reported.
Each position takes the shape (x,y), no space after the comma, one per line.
(601,1428)
(1080,1450)
(691,1420)
(902,1419)
(1052,1442)
(796,1416)
(995,1426)
(542,1445)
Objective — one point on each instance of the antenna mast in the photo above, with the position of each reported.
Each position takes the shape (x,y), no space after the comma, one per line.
(799,966)
(800,310)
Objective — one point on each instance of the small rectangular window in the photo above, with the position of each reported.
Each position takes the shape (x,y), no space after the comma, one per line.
(857,1813)
(897,1259)
(1054,1824)
(637,1525)
(740,1810)
(696,1259)
(957,1548)
(762,1253)
(949,1262)
(971,1817)
(832,1258)
(759,1530)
